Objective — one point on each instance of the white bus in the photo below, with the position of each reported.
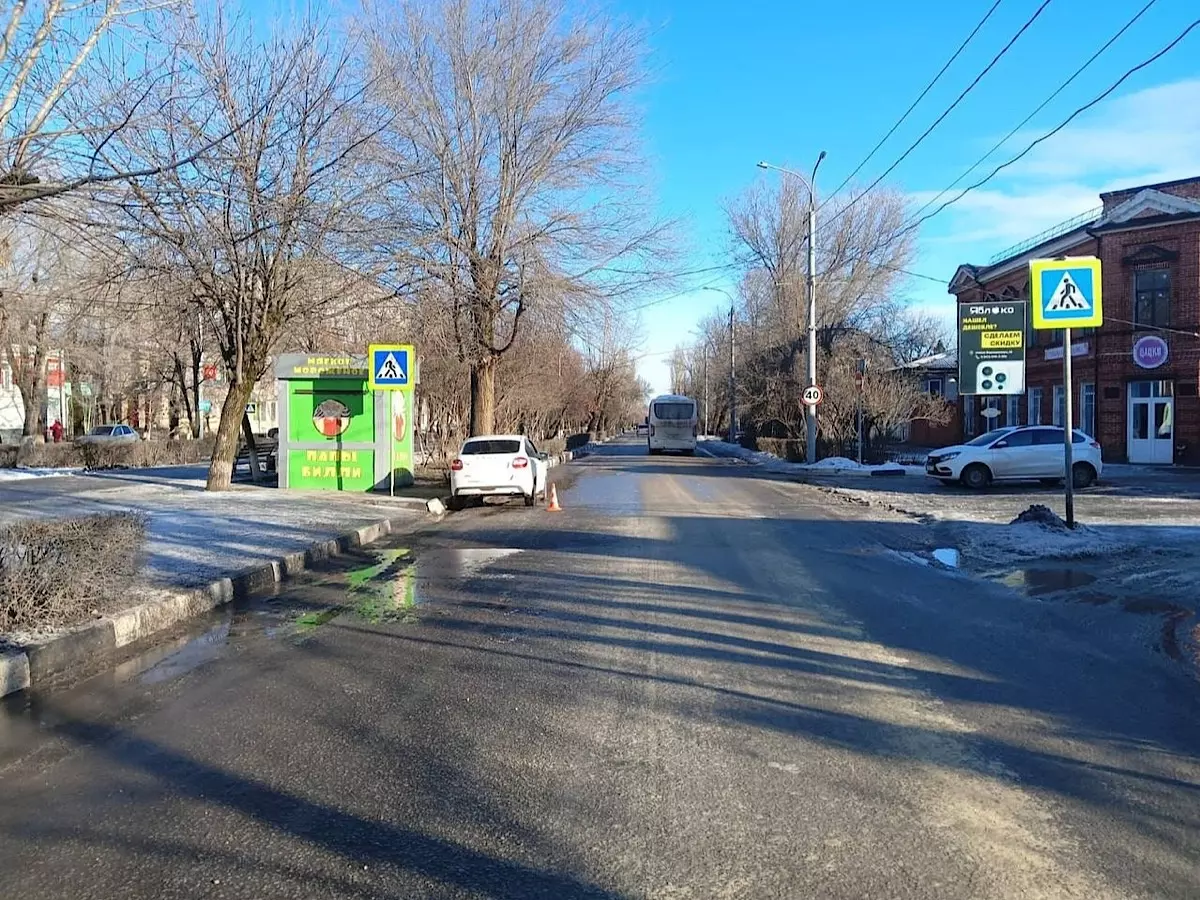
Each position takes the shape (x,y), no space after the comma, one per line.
(672,424)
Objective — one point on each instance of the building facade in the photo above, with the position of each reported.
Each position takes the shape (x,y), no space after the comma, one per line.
(1135,377)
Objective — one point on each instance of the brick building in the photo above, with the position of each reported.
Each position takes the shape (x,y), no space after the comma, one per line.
(1143,407)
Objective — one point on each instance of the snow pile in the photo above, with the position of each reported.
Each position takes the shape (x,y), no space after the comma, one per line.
(23,473)
(1040,515)
(832,465)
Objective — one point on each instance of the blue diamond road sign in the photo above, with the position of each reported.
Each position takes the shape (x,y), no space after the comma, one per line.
(1066,293)
(391,367)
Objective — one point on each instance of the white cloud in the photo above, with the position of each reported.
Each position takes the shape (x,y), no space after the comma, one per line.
(1144,137)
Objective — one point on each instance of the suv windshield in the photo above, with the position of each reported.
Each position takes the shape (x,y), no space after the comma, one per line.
(984,439)
(490,446)
(676,411)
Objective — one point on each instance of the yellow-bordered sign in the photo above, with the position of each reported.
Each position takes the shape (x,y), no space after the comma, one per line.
(1066,293)
(391,367)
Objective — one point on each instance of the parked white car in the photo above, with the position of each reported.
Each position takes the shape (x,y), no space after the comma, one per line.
(498,465)
(1022,453)
(109,435)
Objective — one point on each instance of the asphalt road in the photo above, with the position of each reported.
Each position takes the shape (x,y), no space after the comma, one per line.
(694,682)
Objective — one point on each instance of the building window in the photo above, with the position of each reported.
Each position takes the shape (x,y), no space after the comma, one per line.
(1152,298)
(1087,409)
(1056,416)
(1035,407)
(969,416)
(936,387)
(1014,410)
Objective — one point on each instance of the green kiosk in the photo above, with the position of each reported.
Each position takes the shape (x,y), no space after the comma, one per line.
(336,433)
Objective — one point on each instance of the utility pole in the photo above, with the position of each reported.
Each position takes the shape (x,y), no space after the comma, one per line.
(732,380)
(706,432)
(810,183)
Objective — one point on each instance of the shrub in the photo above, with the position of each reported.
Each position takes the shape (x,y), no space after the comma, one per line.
(104,456)
(56,572)
(784,448)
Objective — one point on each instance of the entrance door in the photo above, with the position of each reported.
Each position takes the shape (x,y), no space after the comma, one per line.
(1151,426)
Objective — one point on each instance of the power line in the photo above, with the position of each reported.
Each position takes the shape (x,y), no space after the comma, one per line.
(1049,134)
(995,59)
(1062,87)
(920,97)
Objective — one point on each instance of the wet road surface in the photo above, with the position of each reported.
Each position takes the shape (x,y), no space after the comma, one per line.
(693,683)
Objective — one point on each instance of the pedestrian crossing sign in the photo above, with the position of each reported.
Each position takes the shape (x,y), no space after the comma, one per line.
(1066,293)
(391,367)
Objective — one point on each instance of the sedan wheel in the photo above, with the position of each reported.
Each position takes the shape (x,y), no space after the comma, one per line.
(976,477)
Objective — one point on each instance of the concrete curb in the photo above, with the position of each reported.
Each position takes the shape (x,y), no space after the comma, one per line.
(76,649)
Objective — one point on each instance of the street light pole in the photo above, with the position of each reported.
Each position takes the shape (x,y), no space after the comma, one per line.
(810,448)
(706,387)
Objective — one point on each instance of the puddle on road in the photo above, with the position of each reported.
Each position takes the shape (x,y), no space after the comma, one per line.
(1038,582)
(947,556)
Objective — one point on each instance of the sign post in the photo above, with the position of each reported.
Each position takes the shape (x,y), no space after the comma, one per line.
(391,368)
(1066,294)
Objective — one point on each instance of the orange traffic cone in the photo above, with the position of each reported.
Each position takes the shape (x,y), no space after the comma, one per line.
(553,507)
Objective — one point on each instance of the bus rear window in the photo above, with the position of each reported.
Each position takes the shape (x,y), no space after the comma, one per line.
(674,411)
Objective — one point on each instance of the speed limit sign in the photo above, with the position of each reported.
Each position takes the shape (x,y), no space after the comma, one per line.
(811,395)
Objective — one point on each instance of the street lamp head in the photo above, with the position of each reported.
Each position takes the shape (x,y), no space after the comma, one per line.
(763,165)
(820,157)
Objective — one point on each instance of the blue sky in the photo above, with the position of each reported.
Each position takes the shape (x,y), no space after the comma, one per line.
(782,80)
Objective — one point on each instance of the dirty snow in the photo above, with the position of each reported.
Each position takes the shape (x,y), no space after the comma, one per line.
(832,465)
(22,473)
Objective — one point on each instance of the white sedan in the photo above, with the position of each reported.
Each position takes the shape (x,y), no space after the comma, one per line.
(1022,453)
(499,465)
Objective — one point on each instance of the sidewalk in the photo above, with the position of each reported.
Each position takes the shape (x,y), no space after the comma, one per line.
(195,537)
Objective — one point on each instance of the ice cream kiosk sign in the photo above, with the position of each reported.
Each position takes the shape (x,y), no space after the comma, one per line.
(335,433)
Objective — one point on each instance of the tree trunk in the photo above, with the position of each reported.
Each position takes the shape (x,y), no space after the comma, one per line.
(248,434)
(197,353)
(220,469)
(483,396)
(32,394)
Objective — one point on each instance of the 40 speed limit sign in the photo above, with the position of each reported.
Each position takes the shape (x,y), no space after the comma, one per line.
(811,396)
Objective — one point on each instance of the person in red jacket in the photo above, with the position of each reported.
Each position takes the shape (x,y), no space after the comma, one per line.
(56,431)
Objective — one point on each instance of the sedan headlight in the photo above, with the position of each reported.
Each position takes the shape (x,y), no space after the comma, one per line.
(946,456)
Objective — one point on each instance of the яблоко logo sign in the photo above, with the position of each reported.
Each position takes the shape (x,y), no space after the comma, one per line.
(331,418)
(1150,351)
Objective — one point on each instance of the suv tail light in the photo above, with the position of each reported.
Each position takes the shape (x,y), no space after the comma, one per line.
(456,465)
(652,429)
(520,462)
(1095,445)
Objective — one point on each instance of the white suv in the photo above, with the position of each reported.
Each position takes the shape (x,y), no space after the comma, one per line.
(497,465)
(1022,453)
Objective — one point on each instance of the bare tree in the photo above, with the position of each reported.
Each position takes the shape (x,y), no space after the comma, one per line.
(246,220)
(517,114)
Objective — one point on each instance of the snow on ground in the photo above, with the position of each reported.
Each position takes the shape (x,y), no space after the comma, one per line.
(23,473)
(195,536)
(833,465)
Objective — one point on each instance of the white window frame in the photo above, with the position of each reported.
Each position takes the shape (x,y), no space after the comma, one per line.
(1087,427)
(969,416)
(1057,410)
(941,386)
(1033,408)
(1013,412)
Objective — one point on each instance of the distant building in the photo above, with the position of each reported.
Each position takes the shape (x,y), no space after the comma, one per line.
(938,376)
(1135,378)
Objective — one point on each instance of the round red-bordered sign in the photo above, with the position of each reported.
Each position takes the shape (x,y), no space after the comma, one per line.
(812,395)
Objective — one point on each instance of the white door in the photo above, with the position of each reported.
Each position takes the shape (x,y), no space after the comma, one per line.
(1151,430)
